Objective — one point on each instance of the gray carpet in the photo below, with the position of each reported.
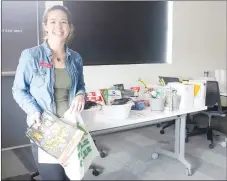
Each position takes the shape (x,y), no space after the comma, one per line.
(129,157)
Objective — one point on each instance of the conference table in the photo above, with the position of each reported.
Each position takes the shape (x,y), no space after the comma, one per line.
(100,126)
(223,94)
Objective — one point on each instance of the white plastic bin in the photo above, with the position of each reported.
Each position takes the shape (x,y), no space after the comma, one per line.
(89,115)
(117,111)
(157,104)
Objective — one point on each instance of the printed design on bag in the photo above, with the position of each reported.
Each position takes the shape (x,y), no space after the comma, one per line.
(78,126)
(84,149)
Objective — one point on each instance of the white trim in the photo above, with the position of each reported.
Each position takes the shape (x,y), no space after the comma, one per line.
(1,77)
(37,21)
(12,73)
(169,33)
(51,3)
(15,147)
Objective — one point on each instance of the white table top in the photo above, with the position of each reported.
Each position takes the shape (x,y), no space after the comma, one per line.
(101,123)
(223,94)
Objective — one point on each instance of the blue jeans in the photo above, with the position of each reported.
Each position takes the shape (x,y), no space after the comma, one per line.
(49,171)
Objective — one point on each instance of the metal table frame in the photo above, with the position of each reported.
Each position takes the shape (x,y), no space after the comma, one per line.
(180,132)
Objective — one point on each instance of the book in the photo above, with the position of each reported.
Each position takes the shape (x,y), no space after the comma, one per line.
(56,137)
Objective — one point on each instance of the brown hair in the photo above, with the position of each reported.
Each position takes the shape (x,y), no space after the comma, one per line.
(66,11)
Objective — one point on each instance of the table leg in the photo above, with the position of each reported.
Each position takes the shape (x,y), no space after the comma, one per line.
(179,151)
(181,156)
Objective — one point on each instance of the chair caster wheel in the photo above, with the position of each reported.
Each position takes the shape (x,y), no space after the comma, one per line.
(158,125)
(162,132)
(186,140)
(223,144)
(188,172)
(33,175)
(154,156)
(211,146)
(102,154)
(95,172)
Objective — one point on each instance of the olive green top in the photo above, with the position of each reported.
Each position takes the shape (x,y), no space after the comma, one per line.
(61,90)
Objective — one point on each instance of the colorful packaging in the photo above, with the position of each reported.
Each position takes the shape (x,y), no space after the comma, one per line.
(113,94)
(95,97)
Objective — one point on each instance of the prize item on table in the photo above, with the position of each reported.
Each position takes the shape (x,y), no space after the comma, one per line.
(157,104)
(144,83)
(121,101)
(95,96)
(104,94)
(136,90)
(185,92)
(162,82)
(157,98)
(172,99)
(119,87)
(157,92)
(125,93)
(153,94)
(109,95)
(140,105)
(113,94)
(197,86)
(117,107)
(128,93)
(147,94)
(91,104)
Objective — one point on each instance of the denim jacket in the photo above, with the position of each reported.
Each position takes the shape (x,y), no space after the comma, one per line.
(33,87)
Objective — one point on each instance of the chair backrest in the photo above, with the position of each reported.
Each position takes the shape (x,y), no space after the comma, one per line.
(169,79)
(213,95)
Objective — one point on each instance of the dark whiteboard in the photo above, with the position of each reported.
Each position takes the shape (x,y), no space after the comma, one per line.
(19,31)
(119,32)
(106,32)
(13,118)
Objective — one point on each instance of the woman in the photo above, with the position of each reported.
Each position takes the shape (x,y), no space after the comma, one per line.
(50,77)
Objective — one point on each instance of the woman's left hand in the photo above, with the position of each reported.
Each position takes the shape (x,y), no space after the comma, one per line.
(77,104)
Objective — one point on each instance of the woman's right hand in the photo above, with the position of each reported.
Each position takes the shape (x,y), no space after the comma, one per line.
(34,118)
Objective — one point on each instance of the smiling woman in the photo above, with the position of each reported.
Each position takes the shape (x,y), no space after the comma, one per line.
(56,71)
(62,16)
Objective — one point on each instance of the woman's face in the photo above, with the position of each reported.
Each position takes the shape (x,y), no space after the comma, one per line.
(57,26)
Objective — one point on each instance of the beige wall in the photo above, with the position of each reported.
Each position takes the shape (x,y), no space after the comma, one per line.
(199,43)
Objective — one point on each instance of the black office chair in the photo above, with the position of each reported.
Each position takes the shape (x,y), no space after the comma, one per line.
(166,81)
(33,175)
(213,102)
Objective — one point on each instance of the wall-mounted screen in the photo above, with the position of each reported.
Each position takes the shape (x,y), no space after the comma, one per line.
(120,32)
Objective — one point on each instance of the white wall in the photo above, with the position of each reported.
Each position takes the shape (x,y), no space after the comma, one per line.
(199,43)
